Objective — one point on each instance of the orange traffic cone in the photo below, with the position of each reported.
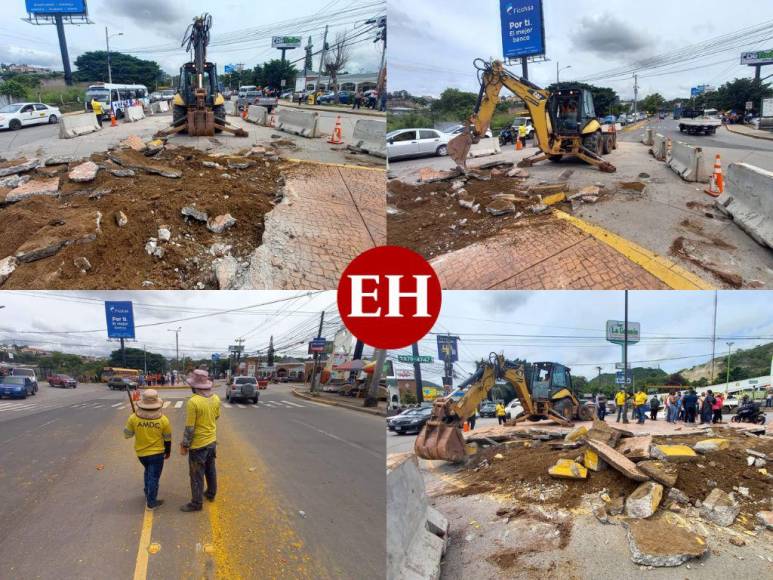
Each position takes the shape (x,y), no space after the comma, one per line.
(135,395)
(716,182)
(466,427)
(518,144)
(335,138)
(113,122)
(244,113)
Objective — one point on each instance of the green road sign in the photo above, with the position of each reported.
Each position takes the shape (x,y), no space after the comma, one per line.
(409,358)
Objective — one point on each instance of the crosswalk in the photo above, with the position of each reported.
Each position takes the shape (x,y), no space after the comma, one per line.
(10,406)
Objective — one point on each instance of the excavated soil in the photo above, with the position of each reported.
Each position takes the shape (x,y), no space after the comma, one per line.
(117,256)
(523,473)
(428,219)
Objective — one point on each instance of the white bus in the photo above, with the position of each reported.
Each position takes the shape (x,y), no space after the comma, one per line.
(116,97)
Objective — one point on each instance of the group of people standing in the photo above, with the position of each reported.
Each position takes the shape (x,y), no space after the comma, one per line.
(687,406)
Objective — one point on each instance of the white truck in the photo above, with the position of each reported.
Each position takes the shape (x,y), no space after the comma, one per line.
(250,95)
(697,122)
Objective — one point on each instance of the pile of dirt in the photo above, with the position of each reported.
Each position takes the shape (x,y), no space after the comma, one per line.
(81,222)
(428,219)
(522,473)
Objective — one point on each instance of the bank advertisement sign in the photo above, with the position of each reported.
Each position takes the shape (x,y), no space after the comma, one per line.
(523,28)
(120,319)
(56,6)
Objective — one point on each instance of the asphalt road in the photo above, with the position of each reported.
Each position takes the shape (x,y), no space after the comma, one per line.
(301,492)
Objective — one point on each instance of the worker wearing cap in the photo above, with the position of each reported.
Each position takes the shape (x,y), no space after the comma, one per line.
(500,412)
(621,402)
(200,439)
(152,434)
(639,402)
(96,106)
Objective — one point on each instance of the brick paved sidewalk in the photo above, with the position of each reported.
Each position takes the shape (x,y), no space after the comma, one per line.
(330,214)
(551,255)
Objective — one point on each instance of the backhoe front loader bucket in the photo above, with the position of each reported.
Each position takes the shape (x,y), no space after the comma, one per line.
(440,440)
(459,148)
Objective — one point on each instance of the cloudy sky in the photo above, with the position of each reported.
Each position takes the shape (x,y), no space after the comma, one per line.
(153,29)
(569,327)
(57,320)
(431,48)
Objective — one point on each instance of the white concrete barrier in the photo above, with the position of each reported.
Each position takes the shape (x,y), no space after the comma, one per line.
(748,199)
(257,114)
(646,137)
(486,146)
(370,136)
(416,532)
(303,123)
(75,124)
(659,147)
(159,107)
(134,113)
(687,162)
(230,108)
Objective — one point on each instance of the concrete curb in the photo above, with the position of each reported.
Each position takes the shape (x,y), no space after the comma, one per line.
(336,404)
(763,137)
(366,113)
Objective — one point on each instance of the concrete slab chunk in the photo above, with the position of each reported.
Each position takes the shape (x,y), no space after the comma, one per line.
(617,460)
(711,445)
(84,172)
(720,507)
(568,469)
(644,500)
(576,434)
(34,187)
(604,433)
(675,453)
(661,471)
(21,167)
(636,448)
(592,461)
(7,266)
(656,542)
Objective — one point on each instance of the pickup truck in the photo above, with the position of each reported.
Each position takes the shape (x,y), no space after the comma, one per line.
(699,122)
(255,98)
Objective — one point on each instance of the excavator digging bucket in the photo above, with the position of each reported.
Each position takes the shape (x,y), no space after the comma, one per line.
(201,123)
(439,440)
(459,148)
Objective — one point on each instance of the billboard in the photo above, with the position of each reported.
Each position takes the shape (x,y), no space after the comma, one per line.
(757,57)
(285,41)
(120,319)
(616,331)
(767,107)
(56,6)
(523,28)
(317,345)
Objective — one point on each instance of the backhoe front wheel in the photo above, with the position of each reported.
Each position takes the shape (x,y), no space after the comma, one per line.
(593,143)
(179,114)
(564,408)
(555,158)
(219,111)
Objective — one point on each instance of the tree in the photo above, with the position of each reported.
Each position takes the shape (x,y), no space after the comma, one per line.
(92,67)
(652,103)
(275,70)
(13,89)
(677,379)
(135,359)
(307,62)
(270,353)
(336,59)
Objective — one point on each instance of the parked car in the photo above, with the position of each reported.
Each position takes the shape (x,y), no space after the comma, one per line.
(622,119)
(404,143)
(488,409)
(289,95)
(456,129)
(16,386)
(406,423)
(156,96)
(403,414)
(609,120)
(242,388)
(513,409)
(29,373)
(121,383)
(63,381)
(168,94)
(18,115)
(345,97)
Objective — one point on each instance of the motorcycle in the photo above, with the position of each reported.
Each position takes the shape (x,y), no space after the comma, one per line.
(749,413)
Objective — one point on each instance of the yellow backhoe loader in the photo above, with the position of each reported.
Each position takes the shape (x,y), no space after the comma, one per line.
(544,390)
(565,122)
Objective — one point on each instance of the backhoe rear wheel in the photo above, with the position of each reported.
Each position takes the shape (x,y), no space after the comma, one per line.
(179,114)
(592,142)
(219,111)
(555,158)
(564,408)
(586,413)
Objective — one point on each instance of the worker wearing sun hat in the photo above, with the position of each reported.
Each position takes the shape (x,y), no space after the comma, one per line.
(200,438)
(152,434)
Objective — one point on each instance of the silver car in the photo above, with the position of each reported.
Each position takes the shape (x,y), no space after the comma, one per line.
(243,388)
(404,143)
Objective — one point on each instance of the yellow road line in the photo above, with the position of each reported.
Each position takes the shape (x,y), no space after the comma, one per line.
(325,163)
(672,275)
(141,567)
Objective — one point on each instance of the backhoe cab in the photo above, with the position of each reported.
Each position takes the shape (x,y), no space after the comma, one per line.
(552,395)
(564,121)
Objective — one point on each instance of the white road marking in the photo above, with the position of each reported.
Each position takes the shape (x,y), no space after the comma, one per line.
(122,407)
(166,404)
(240,406)
(178,404)
(226,405)
(116,405)
(293,404)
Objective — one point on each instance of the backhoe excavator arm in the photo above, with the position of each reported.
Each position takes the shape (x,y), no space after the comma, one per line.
(494,76)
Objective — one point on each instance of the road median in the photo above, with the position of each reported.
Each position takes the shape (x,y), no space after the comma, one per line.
(319,398)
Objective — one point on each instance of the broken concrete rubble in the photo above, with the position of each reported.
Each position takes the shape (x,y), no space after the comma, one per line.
(592,461)
(13,181)
(123,172)
(720,507)
(576,434)
(21,167)
(678,496)
(7,266)
(219,224)
(121,219)
(636,448)
(568,469)
(661,471)
(34,187)
(765,518)
(711,445)
(225,271)
(675,453)
(84,172)
(656,542)
(500,207)
(82,263)
(192,212)
(603,433)
(617,460)
(644,501)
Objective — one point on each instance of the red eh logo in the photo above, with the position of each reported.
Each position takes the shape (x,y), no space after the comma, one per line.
(389,297)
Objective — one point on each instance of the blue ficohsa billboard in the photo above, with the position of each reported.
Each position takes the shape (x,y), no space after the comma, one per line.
(523,28)
(56,6)
(120,319)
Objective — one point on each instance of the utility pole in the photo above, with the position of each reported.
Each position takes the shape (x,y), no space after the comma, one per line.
(313,384)
(177,347)
(417,373)
(371,399)
(63,49)
(714,339)
(625,358)
(635,91)
(599,376)
(524,68)
(358,346)
(123,354)
(727,376)
(321,62)
(145,356)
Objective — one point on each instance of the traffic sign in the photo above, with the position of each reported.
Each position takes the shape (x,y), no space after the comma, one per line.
(216,357)
(620,366)
(446,348)
(120,319)
(619,378)
(317,345)
(409,358)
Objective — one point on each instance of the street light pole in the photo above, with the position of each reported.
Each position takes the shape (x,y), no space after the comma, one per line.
(558,70)
(107,44)
(177,347)
(727,374)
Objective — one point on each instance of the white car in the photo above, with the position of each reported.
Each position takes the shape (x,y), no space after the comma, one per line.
(17,115)
(416,143)
(513,409)
(454,130)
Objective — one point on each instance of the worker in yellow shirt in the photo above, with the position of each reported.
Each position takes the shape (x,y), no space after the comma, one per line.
(96,106)
(500,412)
(639,406)
(152,434)
(621,402)
(200,439)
